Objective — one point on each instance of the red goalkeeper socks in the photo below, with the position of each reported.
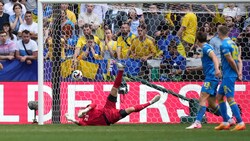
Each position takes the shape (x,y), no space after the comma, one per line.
(118,79)
(140,107)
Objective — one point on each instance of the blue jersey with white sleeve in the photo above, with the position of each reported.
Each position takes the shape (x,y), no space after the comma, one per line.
(207,62)
(228,47)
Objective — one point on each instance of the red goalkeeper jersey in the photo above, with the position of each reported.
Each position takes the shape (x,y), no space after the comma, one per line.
(93,117)
(105,116)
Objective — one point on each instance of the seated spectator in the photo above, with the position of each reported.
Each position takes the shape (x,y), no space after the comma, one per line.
(110,46)
(7,47)
(232,11)
(89,63)
(67,26)
(49,48)
(70,47)
(124,41)
(173,64)
(27,48)
(99,9)
(29,25)
(164,40)
(89,17)
(17,19)
(71,15)
(9,7)
(91,51)
(67,41)
(243,41)
(10,35)
(133,20)
(81,42)
(68,33)
(47,13)
(142,48)
(109,55)
(206,27)
(4,17)
(234,31)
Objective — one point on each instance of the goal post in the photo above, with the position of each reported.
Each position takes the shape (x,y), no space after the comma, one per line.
(57,83)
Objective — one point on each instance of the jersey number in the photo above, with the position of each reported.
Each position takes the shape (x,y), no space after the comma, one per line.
(235,53)
(207,85)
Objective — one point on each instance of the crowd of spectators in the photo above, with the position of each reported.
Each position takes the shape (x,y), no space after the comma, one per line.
(141,32)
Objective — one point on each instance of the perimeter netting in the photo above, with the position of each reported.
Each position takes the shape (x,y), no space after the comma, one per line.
(144,37)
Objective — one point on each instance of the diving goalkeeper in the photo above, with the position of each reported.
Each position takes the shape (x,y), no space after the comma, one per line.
(90,115)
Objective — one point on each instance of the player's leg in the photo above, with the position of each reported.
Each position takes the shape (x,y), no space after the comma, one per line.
(138,108)
(115,115)
(112,98)
(202,101)
(208,89)
(223,108)
(236,113)
(233,105)
(215,108)
(118,80)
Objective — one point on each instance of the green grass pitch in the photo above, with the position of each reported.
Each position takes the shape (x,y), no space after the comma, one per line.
(118,132)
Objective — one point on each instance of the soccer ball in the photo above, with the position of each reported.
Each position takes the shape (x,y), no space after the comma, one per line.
(77,75)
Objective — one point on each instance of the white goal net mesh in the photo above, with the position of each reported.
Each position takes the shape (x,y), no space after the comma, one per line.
(147,39)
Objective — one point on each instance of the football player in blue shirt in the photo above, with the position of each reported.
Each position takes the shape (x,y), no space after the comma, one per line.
(210,66)
(231,70)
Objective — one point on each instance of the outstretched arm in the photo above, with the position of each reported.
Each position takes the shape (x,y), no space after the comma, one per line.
(71,119)
(86,110)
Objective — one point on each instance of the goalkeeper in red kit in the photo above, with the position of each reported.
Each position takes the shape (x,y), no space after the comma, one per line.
(90,115)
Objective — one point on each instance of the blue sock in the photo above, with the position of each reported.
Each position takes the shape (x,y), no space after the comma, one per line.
(223,111)
(236,111)
(217,111)
(200,113)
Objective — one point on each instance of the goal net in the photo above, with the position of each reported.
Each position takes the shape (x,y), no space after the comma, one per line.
(150,40)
